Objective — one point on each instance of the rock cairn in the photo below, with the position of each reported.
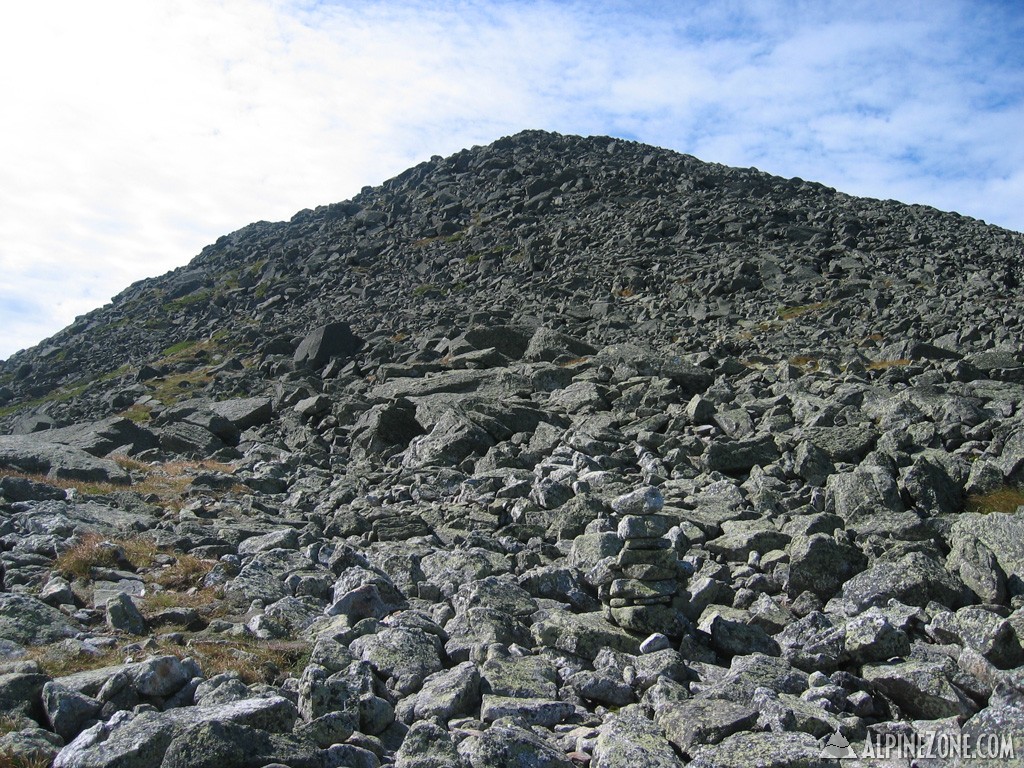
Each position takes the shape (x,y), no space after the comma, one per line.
(644,581)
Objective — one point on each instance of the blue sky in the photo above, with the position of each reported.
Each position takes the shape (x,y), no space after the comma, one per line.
(133,134)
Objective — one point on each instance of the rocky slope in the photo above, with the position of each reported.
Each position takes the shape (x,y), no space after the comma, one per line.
(557,451)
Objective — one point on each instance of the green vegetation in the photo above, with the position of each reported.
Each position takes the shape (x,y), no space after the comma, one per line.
(181,346)
(424,289)
(184,302)
(57,396)
(171,389)
(140,414)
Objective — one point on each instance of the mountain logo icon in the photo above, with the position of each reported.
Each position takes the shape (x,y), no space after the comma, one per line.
(836,747)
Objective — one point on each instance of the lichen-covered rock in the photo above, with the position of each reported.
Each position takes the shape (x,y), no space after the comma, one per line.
(628,740)
(510,746)
(402,656)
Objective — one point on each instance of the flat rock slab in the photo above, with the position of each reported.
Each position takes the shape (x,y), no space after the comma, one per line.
(584,634)
(140,741)
(28,621)
(543,712)
(27,453)
(763,750)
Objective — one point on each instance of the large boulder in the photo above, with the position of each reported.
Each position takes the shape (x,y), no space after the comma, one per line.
(29,454)
(327,341)
(28,621)
(1002,537)
(914,579)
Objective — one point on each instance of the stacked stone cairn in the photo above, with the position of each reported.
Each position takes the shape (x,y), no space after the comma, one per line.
(642,593)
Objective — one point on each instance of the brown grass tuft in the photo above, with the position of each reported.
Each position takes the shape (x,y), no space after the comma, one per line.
(1002,500)
(186,572)
(882,365)
(95,551)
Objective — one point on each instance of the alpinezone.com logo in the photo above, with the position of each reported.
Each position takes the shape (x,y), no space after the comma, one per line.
(933,745)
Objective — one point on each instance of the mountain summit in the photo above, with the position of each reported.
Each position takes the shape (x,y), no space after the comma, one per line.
(554,451)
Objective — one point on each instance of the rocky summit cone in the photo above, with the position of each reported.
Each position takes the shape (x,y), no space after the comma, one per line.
(559,451)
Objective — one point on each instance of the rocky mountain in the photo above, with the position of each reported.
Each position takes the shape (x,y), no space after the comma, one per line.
(559,451)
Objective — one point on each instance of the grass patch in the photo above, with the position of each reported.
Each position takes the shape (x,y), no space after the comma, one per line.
(1002,500)
(473,258)
(804,361)
(8,724)
(37,760)
(253,660)
(791,313)
(573,362)
(883,365)
(181,346)
(187,301)
(140,414)
(56,661)
(207,598)
(186,572)
(168,481)
(424,289)
(57,396)
(96,551)
(81,486)
(170,389)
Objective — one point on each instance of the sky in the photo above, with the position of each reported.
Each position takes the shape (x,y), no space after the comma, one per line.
(134,133)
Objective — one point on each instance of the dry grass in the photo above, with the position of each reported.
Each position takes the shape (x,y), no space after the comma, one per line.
(790,313)
(56,661)
(804,361)
(140,414)
(177,386)
(1002,500)
(882,365)
(253,660)
(81,486)
(209,599)
(186,572)
(574,361)
(138,554)
(8,724)
(168,481)
(95,551)
(16,761)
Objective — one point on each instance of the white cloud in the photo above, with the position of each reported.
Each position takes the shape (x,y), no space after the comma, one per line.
(135,133)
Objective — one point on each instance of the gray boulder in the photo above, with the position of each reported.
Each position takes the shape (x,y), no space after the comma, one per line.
(1003,536)
(629,740)
(821,564)
(428,745)
(704,721)
(31,455)
(510,746)
(28,621)
(547,345)
(131,740)
(922,689)
(914,579)
(403,656)
(327,341)
(862,493)
(67,711)
(737,456)
(225,744)
(764,750)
